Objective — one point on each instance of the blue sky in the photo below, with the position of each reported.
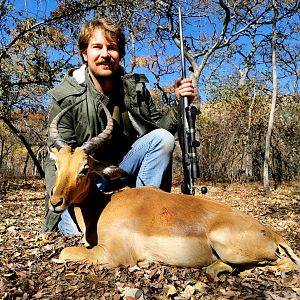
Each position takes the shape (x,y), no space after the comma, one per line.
(41,9)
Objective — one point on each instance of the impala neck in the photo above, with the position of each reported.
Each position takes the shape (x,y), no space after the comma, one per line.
(88,212)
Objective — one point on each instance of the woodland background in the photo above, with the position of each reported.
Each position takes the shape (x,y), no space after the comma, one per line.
(243,57)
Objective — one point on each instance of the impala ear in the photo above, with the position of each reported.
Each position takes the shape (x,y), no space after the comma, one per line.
(113,172)
(52,153)
(106,170)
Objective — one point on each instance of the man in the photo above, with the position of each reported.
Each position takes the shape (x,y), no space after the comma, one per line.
(142,141)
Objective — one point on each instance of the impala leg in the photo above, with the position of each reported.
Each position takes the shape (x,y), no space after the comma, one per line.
(95,255)
(216,268)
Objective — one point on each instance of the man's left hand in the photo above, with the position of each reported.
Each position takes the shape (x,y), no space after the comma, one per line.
(184,87)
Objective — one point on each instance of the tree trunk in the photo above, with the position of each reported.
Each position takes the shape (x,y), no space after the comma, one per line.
(25,167)
(25,143)
(133,56)
(273,105)
(247,161)
(1,152)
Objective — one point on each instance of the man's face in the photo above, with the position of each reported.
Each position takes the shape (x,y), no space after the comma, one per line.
(102,56)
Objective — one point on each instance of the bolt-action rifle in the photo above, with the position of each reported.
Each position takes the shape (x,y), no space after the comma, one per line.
(187,133)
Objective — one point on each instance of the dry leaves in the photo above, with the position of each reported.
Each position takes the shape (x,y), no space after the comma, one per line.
(30,269)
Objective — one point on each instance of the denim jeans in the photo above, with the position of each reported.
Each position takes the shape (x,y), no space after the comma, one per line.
(146,162)
(67,226)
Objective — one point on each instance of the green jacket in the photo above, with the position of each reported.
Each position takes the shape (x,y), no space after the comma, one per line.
(85,120)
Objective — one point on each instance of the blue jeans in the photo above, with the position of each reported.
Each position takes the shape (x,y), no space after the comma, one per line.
(147,162)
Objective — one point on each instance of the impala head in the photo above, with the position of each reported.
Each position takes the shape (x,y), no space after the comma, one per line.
(74,170)
(75,167)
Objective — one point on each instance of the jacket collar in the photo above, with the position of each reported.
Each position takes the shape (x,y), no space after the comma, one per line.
(75,82)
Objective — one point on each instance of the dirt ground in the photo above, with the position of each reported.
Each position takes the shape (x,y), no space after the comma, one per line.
(29,268)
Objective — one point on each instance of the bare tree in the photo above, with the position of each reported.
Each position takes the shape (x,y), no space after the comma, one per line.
(26,144)
(227,46)
(274,97)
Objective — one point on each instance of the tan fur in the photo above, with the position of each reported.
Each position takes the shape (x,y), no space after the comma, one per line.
(149,224)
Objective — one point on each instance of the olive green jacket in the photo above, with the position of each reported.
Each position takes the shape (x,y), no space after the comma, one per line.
(85,120)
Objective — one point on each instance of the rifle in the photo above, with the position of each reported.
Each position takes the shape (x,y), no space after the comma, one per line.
(187,133)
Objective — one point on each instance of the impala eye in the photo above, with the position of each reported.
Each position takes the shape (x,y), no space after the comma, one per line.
(84,171)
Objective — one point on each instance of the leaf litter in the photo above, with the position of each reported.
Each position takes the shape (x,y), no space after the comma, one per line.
(30,268)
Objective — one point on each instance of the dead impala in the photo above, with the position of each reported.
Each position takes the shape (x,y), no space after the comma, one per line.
(149,224)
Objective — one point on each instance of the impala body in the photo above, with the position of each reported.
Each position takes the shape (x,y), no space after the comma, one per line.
(149,224)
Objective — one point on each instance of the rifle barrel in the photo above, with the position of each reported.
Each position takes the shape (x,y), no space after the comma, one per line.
(183,72)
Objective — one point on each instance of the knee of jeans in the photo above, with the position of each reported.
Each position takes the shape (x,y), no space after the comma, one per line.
(166,139)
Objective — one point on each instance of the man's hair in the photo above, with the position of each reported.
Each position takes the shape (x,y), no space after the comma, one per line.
(111,31)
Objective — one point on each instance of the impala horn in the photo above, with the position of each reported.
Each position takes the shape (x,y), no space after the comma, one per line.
(88,147)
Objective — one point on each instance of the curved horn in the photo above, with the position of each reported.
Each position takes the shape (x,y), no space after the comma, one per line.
(58,142)
(89,146)
(93,144)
